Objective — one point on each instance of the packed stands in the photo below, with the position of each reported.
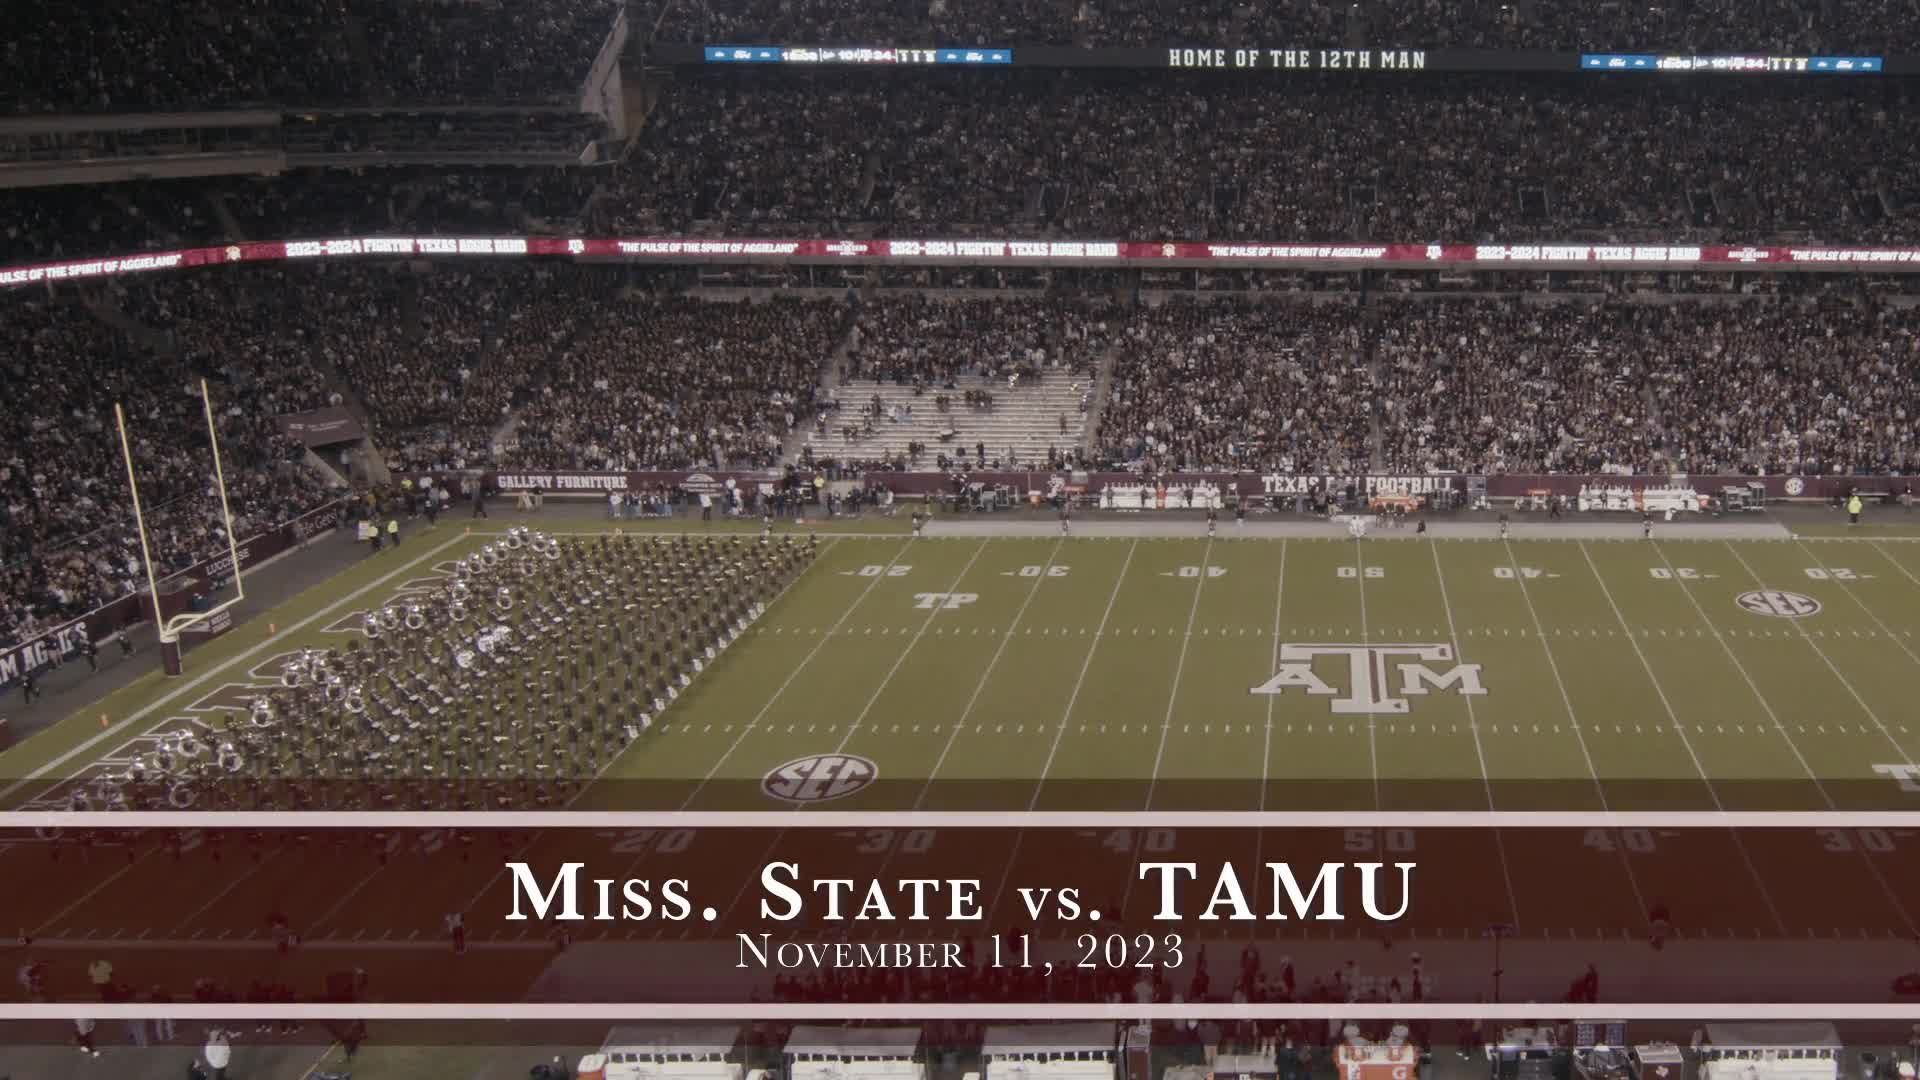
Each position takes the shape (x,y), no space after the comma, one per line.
(675,383)
(67,539)
(1307,159)
(1160,157)
(1871,26)
(1240,384)
(127,56)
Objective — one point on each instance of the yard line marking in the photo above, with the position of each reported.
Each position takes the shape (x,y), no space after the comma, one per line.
(1893,895)
(1373,744)
(210,674)
(1897,565)
(64,912)
(1831,666)
(1032,591)
(1179,667)
(1573,717)
(1266,752)
(1681,729)
(1479,752)
(1659,691)
(780,690)
(900,660)
(232,884)
(1074,697)
(1847,588)
(1748,677)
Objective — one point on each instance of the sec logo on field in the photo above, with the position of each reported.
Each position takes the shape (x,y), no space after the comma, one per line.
(1777,604)
(820,778)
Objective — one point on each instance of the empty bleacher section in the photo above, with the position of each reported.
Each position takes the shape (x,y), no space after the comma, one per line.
(932,378)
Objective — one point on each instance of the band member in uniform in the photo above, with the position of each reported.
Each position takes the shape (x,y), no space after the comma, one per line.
(1213,521)
(918,521)
(1066,520)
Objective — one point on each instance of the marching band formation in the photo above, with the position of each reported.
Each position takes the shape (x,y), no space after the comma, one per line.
(538,662)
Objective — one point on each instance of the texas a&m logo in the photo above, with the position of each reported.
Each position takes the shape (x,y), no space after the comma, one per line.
(1378,679)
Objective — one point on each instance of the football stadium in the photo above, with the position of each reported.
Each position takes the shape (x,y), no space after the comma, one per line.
(967,440)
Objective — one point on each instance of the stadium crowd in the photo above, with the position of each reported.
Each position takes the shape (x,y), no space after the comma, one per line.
(572,367)
(120,55)
(1312,158)
(67,539)
(928,344)
(127,56)
(674,383)
(1242,385)
(1850,26)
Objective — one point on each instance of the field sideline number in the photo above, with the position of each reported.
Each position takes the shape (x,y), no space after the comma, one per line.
(1835,573)
(907,842)
(878,570)
(1354,572)
(1505,573)
(1683,573)
(1842,841)
(1607,841)
(642,841)
(1154,842)
(1367,841)
(1049,570)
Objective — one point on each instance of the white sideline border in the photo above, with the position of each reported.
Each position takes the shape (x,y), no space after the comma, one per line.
(960,819)
(975,1011)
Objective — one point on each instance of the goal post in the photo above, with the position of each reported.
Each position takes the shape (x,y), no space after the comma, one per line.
(171,627)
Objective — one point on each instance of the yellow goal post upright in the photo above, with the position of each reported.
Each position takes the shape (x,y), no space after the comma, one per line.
(172,627)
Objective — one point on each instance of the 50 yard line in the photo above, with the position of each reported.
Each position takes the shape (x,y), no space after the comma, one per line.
(1473,725)
(1373,742)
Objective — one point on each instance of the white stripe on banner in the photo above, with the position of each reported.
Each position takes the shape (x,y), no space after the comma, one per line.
(1025,1012)
(962,819)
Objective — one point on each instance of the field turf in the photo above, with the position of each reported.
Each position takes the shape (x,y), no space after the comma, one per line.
(1116,673)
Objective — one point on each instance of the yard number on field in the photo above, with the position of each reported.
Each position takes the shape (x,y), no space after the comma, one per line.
(1844,841)
(1835,573)
(1638,841)
(879,570)
(1152,841)
(1678,573)
(1196,571)
(655,841)
(1049,570)
(1370,841)
(1507,573)
(1372,572)
(888,841)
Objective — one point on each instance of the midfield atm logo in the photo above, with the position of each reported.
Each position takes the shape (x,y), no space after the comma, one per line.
(1379,678)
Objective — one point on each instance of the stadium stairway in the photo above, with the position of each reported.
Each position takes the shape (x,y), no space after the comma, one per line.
(826,390)
(1097,399)
(1025,420)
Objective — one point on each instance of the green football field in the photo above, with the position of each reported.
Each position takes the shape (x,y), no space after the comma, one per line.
(1233,673)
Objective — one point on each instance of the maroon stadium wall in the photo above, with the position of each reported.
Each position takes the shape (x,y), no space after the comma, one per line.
(1503,486)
